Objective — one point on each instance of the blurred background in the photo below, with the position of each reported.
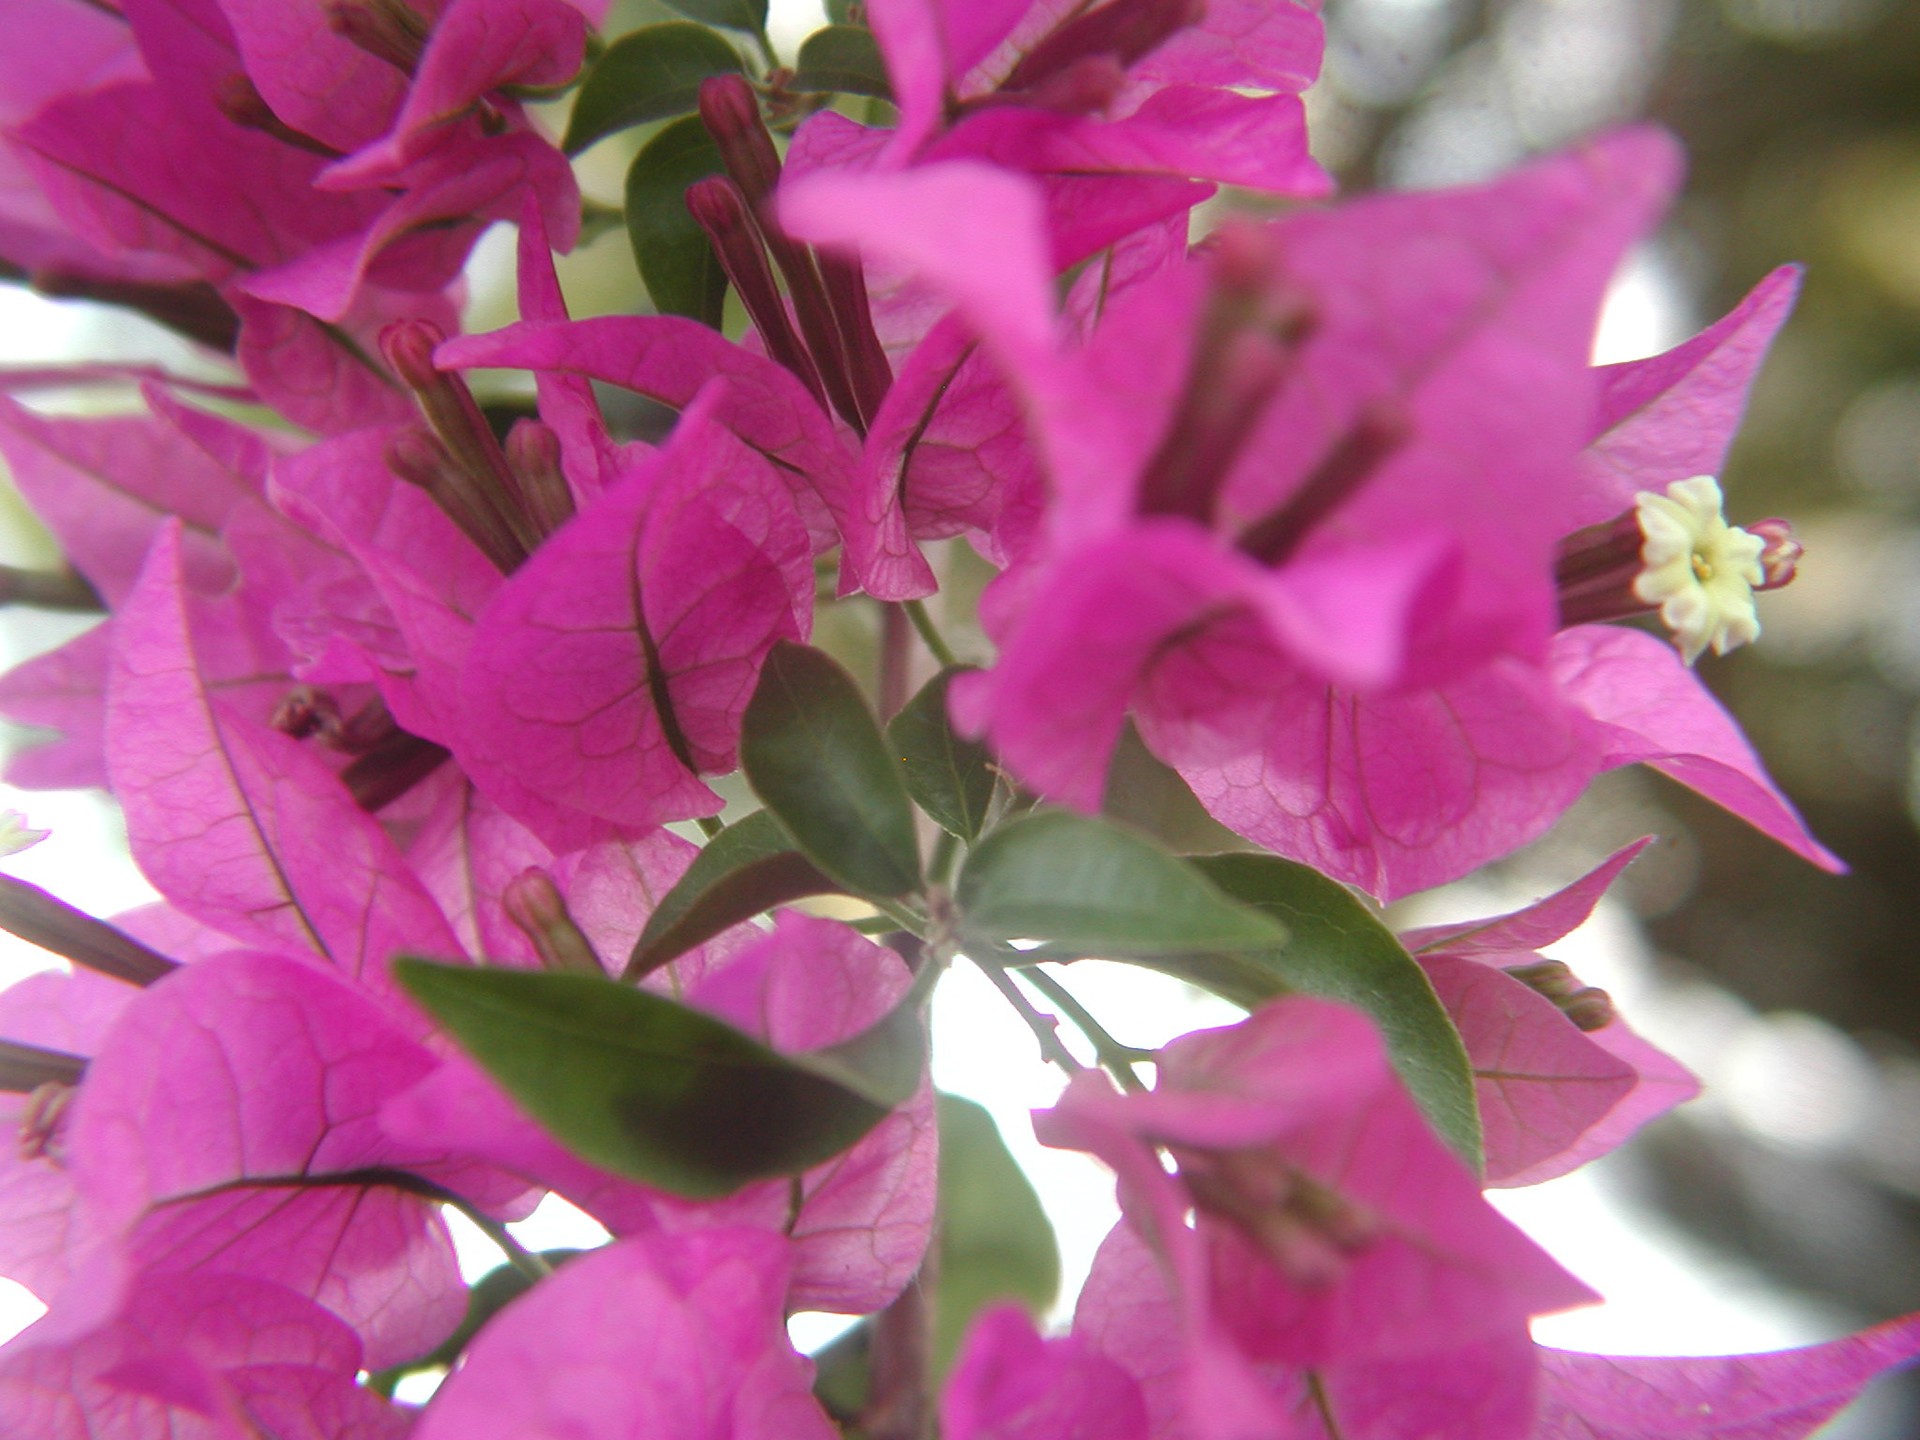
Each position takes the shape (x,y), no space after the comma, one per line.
(1795,994)
(1785,1206)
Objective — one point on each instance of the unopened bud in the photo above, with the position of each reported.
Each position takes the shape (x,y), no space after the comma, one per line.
(534,904)
(533,452)
(730,111)
(719,208)
(1587,1006)
(1780,552)
(478,490)
(408,347)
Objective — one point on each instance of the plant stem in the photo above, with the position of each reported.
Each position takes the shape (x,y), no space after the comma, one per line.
(1117,1059)
(929,633)
(894,659)
(1045,1028)
(945,847)
(521,1258)
(901,916)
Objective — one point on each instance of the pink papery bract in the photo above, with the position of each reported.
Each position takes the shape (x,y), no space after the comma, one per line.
(675,1337)
(612,669)
(235,823)
(195,1357)
(1009,1384)
(1375,1247)
(1552,1096)
(228,1126)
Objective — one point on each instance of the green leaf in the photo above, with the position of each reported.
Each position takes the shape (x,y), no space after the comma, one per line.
(1088,887)
(840,12)
(748,15)
(813,753)
(995,1240)
(650,1089)
(1342,951)
(842,58)
(947,776)
(652,74)
(749,867)
(675,260)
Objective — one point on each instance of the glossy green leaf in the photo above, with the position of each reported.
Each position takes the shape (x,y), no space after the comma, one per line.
(996,1242)
(679,267)
(842,58)
(947,776)
(645,1087)
(1087,887)
(815,756)
(652,74)
(745,870)
(748,15)
(1342,951)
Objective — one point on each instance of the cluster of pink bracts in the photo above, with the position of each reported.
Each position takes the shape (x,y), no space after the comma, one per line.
(1331,507)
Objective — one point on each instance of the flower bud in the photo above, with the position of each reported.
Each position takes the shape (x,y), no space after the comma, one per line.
(479,489)
(534,904)
(719,208)
(730,111)
(1587,1006)
(533,452)
(1780,552)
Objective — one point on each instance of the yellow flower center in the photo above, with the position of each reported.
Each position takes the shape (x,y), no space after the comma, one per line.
(1700,571)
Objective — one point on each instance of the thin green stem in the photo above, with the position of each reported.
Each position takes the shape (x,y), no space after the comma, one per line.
(1115,1058)
(895,660)
(1045,1028)
(945,847)
(929,632)
(901,915)
(518,1256)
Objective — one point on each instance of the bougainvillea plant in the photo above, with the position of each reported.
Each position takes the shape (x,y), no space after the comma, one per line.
(469,728)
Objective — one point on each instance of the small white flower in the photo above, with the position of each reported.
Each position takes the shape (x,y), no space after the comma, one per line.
(1700,571)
